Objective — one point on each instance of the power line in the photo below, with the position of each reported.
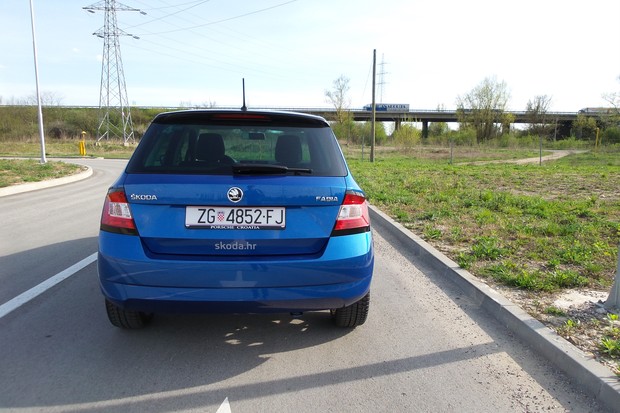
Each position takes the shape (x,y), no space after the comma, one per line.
(247,45)
(197,58)
(229,18)
(194,4)
(172,6)
(243,62)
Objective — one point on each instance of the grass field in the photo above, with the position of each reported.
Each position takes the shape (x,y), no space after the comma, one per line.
(534,231)
(534,227)
(64,148)
(14,172)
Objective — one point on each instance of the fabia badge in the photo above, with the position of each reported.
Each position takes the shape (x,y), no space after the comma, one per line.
(235,194)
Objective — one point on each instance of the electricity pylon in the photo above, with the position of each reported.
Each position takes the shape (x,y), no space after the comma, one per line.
(382,81)
(114,111)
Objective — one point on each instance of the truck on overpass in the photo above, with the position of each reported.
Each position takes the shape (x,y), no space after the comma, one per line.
(388,107)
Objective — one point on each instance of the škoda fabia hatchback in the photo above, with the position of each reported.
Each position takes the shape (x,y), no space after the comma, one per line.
(239,212)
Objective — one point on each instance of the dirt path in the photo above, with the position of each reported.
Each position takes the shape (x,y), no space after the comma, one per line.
(556,154)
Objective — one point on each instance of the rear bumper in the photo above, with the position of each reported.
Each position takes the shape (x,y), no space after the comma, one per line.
(131,280)
(226,300)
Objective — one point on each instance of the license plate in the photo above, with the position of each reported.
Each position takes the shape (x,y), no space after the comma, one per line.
(208,217)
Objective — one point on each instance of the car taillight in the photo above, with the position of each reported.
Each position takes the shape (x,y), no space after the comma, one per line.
(353,216)
(116,215)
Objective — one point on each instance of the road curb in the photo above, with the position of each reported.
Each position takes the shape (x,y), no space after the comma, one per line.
(32,186)
(596,379)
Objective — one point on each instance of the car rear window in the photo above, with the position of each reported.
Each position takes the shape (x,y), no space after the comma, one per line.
(195,147)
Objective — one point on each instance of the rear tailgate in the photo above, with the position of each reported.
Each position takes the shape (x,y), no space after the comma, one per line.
(159,204)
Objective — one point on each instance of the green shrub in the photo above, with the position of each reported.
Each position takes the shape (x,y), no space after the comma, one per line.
(407,136)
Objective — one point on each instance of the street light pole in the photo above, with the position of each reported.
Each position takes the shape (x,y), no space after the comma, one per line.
(36,75)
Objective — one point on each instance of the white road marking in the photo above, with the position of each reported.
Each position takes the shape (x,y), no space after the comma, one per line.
(37,290)
(225,407)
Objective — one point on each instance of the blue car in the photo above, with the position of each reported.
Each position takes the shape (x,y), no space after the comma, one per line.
(235,211)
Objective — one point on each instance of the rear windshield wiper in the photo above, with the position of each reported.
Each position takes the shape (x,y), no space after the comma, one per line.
(261,169)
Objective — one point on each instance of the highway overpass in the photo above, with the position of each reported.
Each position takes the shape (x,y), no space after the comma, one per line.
(423,115)
(563,120)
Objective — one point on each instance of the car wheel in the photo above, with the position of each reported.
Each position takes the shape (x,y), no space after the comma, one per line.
(125,318)
(352,315)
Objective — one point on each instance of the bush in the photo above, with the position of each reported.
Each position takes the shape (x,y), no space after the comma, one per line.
(354,132)
(364,130)
(61,129)
(18,122)
(464,136)
(344,131)
(21,122)
(436,129)
(569,143)
(407,136)
(508,141)
(611,135)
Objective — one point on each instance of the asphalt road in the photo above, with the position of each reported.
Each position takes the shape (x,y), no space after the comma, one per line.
(426,347)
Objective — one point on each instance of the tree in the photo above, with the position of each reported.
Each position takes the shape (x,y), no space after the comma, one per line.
(347,131)
(611,122)
(48,98)
(536,114)
(614,100)
(436,129)
(339,98)
(585,127)
(366,133)
(483,108)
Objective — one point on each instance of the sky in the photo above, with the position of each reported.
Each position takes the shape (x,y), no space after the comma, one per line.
(290,52)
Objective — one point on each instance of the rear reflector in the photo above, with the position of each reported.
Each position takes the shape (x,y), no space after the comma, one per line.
(353,216)
(116,215)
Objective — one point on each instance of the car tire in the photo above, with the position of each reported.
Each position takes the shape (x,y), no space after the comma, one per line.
(126,319)
(352,315)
